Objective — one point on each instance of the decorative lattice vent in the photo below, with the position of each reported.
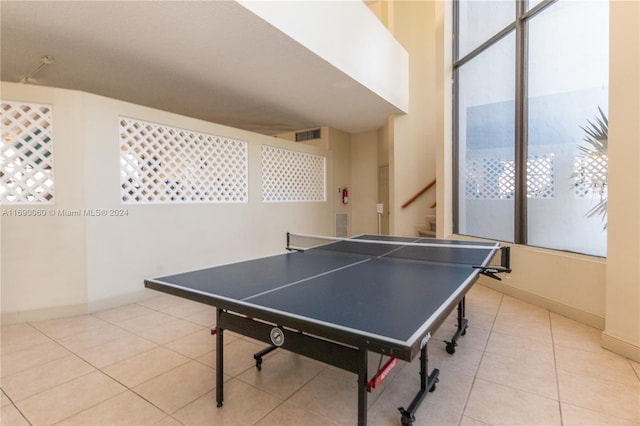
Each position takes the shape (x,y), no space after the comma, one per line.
(494,179)
(292,175)
(591,175)
(162,164)
(26,154)
(541,176)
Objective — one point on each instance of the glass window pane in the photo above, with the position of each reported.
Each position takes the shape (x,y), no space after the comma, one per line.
(480,20)
(486,143)
(533,3)
(568,84)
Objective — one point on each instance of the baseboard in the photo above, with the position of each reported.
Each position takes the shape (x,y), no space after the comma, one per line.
(571,312)
(54,312)
(123,299)
(43,314)
(614,344)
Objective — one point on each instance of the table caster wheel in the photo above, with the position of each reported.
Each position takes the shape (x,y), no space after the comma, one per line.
(451,348)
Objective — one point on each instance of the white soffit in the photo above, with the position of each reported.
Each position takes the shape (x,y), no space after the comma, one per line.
(348,36)
(320,64)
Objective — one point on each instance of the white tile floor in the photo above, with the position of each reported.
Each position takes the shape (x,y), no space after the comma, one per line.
(152,363)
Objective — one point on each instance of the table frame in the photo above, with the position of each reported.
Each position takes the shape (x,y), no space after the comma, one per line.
(346,349)
(340,348)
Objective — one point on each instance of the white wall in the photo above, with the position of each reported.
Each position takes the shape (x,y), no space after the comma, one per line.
(44,258)
(622,331)
(339,145)
(64,265)
(414,135)
(364,178)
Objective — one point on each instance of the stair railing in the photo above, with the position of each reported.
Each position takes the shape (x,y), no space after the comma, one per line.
(422,191)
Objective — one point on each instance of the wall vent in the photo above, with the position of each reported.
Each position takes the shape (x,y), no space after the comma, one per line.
(341,225)
(307,135)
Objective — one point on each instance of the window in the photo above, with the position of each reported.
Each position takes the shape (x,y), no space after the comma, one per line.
(530,122)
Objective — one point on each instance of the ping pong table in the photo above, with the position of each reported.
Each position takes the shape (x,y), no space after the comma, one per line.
(340,299)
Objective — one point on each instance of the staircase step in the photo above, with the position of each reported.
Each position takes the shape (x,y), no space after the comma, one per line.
(430,222)
(426,234)
(429,227)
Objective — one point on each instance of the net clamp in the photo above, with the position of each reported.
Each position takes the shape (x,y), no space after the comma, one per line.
(491,271)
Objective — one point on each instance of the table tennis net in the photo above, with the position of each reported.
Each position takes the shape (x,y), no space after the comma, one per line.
(412,248)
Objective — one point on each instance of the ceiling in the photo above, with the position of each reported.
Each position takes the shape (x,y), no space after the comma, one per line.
(212,60)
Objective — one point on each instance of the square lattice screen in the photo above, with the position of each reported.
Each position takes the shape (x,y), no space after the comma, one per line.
(591,175)
(162,164)
(493,178)
(26,154)
(292,175)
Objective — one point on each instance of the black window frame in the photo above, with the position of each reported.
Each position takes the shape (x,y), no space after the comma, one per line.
(519,26)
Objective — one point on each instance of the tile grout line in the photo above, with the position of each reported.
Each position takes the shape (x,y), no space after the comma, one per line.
(91,406)
(555,368)
(127,388)
(236,377)
(70,353)
(558,378)
(190,359)
(484,351)
(285,399)
(136,334)
(100,369)
(636,372)
(16,407)
(516,388)
(557,348)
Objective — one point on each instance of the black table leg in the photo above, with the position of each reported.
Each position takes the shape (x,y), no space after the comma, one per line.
(427,384)
(362,387)
(219,358)
(462,327)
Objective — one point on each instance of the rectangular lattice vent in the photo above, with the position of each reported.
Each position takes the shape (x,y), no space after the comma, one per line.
(308,135)
(494,179)
(26,154)
(162,164)
(590,174)
(292,175)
